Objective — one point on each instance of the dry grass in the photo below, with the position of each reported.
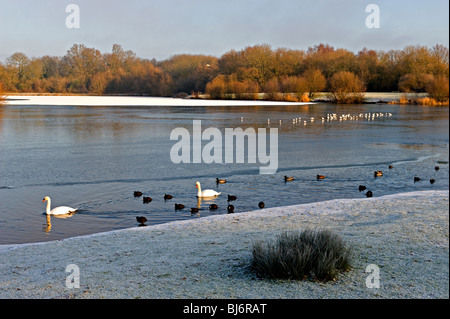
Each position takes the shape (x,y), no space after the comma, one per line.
(424,101)
(2,96)
(304,98)
(315,255)
(290,98)
(427,101)
(404,100)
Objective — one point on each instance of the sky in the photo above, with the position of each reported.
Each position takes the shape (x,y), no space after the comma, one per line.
(162,28)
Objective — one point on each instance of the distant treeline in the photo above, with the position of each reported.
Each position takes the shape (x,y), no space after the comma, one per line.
(280,73)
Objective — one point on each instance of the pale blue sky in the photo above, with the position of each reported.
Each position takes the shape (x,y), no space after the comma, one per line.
(161,28)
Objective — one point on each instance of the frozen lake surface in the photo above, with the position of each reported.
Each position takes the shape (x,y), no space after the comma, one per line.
(94,156)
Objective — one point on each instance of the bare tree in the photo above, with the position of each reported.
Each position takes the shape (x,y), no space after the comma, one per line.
(315,81)
(82,63)
(346,87)
(438,88)
(18,61)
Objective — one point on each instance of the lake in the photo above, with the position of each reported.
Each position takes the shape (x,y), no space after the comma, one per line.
(95,157)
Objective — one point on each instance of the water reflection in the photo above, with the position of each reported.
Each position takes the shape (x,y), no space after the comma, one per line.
(206,201)
(80,124)
(69,123)
(48,225)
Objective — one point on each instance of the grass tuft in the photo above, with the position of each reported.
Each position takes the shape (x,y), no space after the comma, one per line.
(309,254)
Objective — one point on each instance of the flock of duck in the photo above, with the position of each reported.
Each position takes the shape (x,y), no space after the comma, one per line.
(368,116)
(209,194)
(380,174)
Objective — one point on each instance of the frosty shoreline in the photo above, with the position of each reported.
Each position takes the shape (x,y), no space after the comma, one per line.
(405,235)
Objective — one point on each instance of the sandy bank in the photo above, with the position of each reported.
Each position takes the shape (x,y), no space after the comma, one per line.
(129,101)
(405,235)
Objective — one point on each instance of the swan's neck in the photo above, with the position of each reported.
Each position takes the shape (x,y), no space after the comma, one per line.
(48,206)
(199,190)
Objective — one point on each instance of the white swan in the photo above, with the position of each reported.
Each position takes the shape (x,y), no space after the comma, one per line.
(62,210)
(206,192)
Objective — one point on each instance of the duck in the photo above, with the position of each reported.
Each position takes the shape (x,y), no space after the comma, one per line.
(289,178)
(378,173)
(261,205)
(230,209)
(194,210)
(206,192)
(432,181)
(179,206)
(137,194)
(320,177)
(417,179)
(167,196)
(369,194)
(362,188)
(437,168)
(141,220)
(231,198)
(220,181)
(391,167)
(146,200)
(62,210)
(213,207)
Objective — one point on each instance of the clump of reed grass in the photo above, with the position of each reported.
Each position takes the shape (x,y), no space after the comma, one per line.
(2,96)
(424,101)
(427,101)
(304,98)
(404,100)
(315,255)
